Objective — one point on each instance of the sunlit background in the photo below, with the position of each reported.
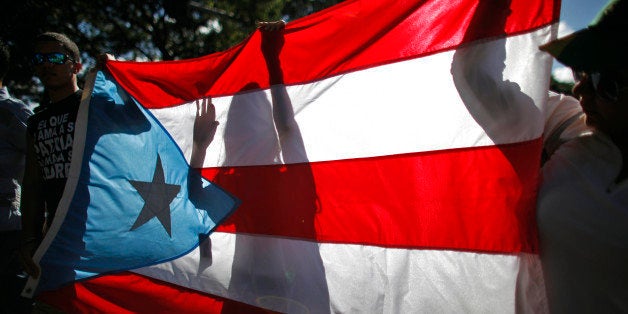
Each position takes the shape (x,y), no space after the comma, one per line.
(574,15)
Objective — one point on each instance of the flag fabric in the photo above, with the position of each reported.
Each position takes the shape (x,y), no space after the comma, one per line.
(134,201)
(386,155)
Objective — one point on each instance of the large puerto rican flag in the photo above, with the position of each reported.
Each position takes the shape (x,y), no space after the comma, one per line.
(386,155)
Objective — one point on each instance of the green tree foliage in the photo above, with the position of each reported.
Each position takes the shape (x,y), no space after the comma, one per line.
(145,30)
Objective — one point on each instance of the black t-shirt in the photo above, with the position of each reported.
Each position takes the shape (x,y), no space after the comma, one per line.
(52,131)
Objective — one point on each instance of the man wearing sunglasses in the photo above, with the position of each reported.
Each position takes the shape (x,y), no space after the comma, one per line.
(50,135)
(583,201)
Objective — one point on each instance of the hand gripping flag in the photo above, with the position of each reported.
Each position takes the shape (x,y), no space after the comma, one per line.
(386,154)
(131,201)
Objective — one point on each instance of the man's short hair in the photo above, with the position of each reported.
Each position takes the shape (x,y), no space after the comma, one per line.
(67,44)
(4,60)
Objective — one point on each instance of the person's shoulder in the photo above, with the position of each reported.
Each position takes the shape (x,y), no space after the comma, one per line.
(71,98)
(12,103)
(62,105)
(78,94)
(560,97)
(10,100)
(557,102)
(35,117)
(75,98)
(40,112)
(17,107)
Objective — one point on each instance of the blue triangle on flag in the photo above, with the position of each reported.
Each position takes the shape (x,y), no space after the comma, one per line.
(137,202)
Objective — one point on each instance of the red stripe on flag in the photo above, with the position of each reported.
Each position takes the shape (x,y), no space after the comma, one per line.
(354,35)
(132,293)
(419,200)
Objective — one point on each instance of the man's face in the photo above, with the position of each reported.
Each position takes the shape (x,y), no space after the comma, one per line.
(604,100)
(55,76)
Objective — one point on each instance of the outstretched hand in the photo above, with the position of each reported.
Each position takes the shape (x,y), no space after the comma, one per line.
(271,46)
(272,37)
(205,124)
(101,60)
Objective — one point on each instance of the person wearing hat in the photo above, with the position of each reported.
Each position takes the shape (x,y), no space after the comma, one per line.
(582,210)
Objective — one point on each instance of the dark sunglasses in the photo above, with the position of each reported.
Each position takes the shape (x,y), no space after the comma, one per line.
(606,86)
(52,58)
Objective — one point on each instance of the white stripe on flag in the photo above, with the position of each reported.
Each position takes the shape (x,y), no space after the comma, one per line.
(357,115)
(359,278)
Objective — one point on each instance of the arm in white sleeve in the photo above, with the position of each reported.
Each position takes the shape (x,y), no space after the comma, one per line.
(564,120)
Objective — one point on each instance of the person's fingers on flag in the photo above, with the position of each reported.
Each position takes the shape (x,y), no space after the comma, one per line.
(101,61)
(203,107)
(205,124)
(210,113)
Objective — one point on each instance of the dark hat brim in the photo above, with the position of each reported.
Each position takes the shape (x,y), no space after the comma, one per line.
(583,50)
(600,46)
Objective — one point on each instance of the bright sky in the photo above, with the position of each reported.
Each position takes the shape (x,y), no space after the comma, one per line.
(574,15)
